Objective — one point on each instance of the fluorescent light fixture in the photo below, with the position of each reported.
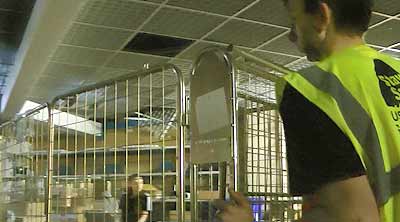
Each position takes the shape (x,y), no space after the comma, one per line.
(169,125)
(137,118)
(64,119)
(148,117)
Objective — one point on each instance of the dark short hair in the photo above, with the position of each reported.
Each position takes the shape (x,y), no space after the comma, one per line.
(351,16)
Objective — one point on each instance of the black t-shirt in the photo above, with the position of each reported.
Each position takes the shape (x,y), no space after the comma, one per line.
(318,151)
(136,205)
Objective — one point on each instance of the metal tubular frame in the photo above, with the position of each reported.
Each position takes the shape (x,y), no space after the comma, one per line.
(260,113)
(181,117)
(49,164)
(37,141)
(263,63)
(227,171)
(260,119)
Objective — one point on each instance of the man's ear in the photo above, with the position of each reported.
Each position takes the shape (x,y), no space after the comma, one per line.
(323,18)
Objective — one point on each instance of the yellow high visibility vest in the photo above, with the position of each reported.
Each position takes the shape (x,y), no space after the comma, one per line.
(359,89)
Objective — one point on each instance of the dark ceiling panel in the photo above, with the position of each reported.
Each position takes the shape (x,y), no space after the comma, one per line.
(376,19)
(17,5)
(14,16)
(270,11)
(223,7)
(390,7)
(385,34)
(283,45)
(244,33)
(157,45)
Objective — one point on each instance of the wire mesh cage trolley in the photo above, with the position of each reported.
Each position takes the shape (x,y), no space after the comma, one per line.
(236,129)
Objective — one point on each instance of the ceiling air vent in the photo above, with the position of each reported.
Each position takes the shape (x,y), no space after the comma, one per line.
(157,45)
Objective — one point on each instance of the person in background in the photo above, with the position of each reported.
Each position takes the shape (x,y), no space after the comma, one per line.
(110,203)
(133,203)
(341,119)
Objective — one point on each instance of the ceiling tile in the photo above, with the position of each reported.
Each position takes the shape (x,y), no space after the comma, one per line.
(223,7)
(134,61)
(283,45)
(244,33)
(105,73)
(115,13)
(154,1)
(196,49)
(271,11)
(182,23)
(36,99)
(376,19)
(385,34)
(80,56)
(66,82)
(96,37)
(279,59)
(169,74)
(47,88)
(61,71)
(46,93)
(390,7)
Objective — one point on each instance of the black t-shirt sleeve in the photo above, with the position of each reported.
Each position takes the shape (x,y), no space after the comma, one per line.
(318,151)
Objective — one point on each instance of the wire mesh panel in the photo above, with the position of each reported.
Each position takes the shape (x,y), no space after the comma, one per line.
(23,167)
(263,148)
(115,150)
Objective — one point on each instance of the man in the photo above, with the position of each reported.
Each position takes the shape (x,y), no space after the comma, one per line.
(134,204)
(341,119)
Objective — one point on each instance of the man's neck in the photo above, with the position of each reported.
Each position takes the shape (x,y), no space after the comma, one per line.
(342,42)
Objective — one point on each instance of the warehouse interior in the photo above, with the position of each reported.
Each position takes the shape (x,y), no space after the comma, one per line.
(94,91)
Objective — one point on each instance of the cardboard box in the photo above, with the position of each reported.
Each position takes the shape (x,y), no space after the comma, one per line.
(207,195)
(173,215)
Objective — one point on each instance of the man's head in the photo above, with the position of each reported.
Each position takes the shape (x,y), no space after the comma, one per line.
(135,183)
(317,24)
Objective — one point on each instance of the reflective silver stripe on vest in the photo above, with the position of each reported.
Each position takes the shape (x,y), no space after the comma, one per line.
(384,184)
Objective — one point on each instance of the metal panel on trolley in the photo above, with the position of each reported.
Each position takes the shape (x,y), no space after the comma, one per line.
(211,94)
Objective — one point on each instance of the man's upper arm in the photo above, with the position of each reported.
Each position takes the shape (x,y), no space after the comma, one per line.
(318,152)
(349,200)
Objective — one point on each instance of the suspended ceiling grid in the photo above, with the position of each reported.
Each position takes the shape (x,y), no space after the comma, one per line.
(92,49)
